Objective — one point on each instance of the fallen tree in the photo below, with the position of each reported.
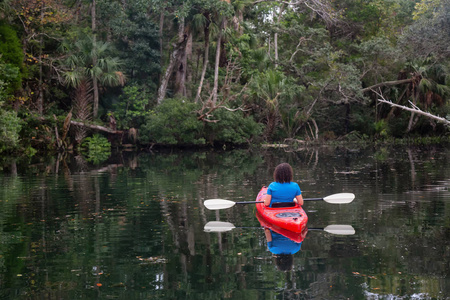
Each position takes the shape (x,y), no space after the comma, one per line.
(416,110)
(96,127)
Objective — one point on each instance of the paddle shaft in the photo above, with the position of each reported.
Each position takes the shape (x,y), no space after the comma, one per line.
(218,226)
(254,202)
(341,198)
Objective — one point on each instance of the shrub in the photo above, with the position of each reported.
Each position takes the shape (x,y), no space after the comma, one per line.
(131,108)
(232,127)
(11,58)
(381,129)
(9,130)
(172,122)
(175,122)
(97,147)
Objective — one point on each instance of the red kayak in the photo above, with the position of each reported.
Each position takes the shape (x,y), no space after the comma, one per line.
(297,237)
(293,218)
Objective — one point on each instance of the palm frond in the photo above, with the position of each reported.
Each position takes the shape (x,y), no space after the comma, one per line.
(73,78)
(199,21)
(443,90)
(426,85)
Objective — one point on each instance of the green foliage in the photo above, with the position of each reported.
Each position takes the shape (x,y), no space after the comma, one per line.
(233,127)
(426,8)
(10,80)
(10,126)
(88,59)
(10,47)
(342,84)
(327,54)
(97,148)
(136,38)
(272,87)
(381,129)
(252,59)
(132,107)
(278,99)
(382,154)
(429,35)
(374,17)
(174,121)
(377,58)
(11,60)
(359,120)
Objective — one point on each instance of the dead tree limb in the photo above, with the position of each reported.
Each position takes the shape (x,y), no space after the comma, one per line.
(388,83)
(417,110)
(96,127)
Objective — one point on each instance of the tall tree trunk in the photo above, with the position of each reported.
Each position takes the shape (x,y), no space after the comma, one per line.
(275,44)
(275,38)
(81,109)
(174,57)
(205,63)
(188,72)
(216,68)
(40,102)
(94,60)
(271,123)
(95,87)
(161,28)
(180,76)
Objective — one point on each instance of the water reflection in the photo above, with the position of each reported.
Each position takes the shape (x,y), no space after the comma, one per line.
(135,227)
(283,248)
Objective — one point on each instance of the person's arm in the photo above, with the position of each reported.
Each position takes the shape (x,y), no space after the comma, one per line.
(267,198)
(268,235)
(299,199)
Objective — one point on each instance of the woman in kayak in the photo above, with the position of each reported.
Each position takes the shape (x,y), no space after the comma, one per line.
(283,189)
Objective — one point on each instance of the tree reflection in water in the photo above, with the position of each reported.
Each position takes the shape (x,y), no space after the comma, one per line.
(134,226)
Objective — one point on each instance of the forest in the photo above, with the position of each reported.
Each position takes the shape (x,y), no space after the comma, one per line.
(94,73)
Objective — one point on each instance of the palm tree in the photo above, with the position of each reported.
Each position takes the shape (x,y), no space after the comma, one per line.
(429,89)
(270,88)
(90,60)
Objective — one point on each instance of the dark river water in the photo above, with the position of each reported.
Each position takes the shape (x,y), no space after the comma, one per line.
(133,227)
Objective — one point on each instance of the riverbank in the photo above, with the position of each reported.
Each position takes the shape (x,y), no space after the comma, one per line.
(39,162)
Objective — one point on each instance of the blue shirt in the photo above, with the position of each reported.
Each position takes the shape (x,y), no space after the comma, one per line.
(282,245)
(283,192)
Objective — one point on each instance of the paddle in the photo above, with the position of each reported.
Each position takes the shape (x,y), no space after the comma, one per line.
(218,226)
(341,198)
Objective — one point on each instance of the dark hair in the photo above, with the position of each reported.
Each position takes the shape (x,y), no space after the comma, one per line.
(283,173)
(284,262)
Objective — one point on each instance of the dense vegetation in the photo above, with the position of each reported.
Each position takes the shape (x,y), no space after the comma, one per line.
(213,72)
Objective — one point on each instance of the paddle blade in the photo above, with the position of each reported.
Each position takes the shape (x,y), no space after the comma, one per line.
(218,226)
(214,204)
(341,198)
(340,229)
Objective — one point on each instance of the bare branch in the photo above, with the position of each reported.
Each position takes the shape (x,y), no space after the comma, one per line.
(241,108)
(417,110)
(297,49)
(96,127)
(322,8)
(388,83)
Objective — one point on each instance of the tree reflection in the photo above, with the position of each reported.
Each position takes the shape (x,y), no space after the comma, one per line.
(134,227)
